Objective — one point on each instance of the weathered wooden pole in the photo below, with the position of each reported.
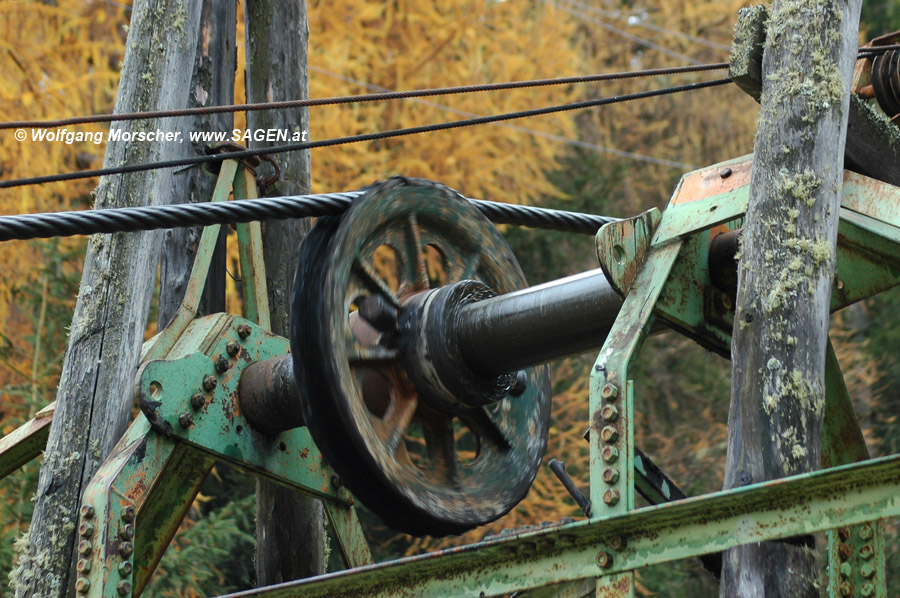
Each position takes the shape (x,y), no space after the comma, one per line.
(212,84)
(785,275)
(96,388)
(290,534)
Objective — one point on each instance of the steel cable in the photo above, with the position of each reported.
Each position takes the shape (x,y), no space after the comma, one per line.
(358,138)
(112,220)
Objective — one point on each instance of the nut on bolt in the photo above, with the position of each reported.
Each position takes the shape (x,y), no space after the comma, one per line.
(185,420)
(123,588)
(87,512)
(83,566)
(85,547)
(867,590)
(128,513)
(844,533)
(866,532)
(609,454)
(126,549)
(611,496)
(209,383)
(604,560)
(125,568)
(609,434)
(618,543)
(86,529)
(609,413)
(232,348)
(610,475)
(866,552)
(222,364)
(844,551)
(127,532)
(243,330)
(82,585)
(609,391)
(198,401)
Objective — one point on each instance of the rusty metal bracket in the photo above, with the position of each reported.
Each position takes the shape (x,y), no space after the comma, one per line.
(622,246)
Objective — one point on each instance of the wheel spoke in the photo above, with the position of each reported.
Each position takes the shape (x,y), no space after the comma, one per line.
(441,446)
(373,281)
(397,420)
(486,427)
(372,355)
(414,247)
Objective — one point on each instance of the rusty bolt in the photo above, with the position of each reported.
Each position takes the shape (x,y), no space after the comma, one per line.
(185,420)
(866,552)
(866,532)
(725,173)
(87,512)
(609,391)
(604,560)
(609,434)
(846,588)
(867,570)
(609,413)
(127,532)
(867,590)
(336,482)
(198,401)
(82,585)
(125,568)
(222,364)
(844,533)
(209,383)
(86,529)
(618,543)
(85,547)
(83,566)
(611,496)
(128,514)
(846,570)
(232,348)
(609,454)
(123,588)
(243,330)
(126,549)
(844,551)
(610,475)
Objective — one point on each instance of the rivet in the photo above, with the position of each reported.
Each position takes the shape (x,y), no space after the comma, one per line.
(866,552)
(609,413)
(609,434)
(123,588)
(844,533)
(198,401)
(232,348)
(725,173)
(85,547)
(86,529)
(126,549)
(128,514)
(125,568)
(610,475)
(604,560)
(87,512)
(609,454)
(243,330)
(618,543)
(867,590)
(222,364)
(127,532)
(611,496)
(336,482)
(866,532)
(609,391)
(185,420)
(844,551)
(210,383)
(82,585)
(83,566)
(867,570)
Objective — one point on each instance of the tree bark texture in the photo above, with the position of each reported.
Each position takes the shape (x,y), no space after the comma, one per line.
(212,84)
(94,401)
(786,267)
(290,532)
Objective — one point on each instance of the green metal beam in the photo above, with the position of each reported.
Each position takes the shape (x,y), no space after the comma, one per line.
(788,507)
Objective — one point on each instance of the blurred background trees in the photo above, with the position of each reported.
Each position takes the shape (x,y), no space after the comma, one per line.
(62,59)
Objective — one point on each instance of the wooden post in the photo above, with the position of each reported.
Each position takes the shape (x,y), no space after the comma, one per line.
(290,533)
(96,389)
(212,84)
(785,271)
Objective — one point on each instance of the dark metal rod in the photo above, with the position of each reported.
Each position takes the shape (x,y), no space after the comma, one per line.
(538,324)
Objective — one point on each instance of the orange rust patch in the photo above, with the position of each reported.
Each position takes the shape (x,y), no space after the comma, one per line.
(709,182)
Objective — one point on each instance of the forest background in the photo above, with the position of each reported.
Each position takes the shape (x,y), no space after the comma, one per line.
(63,58)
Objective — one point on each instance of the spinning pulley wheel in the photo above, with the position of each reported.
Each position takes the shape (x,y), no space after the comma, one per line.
(424,439)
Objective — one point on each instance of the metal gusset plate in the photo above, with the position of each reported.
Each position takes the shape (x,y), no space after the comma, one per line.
(423,469)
